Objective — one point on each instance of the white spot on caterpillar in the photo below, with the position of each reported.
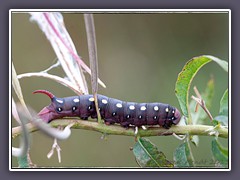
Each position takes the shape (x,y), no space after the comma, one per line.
(59,109)
(76,100)
(89,107)
(127,116)
(119,105)
(60,101)
(131,107)
(113,114)
(91,99)
(155,117)
(173,111)
(173,118)
(144,127)
(143,108)
(156,108)
(136,130)
(140,117)
(74,108)
(104,101)
(166,109)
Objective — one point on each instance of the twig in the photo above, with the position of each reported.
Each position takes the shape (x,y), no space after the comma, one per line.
(201,102)
(118,130)
(58,149)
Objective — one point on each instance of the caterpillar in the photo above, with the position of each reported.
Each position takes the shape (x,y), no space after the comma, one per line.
(111,110)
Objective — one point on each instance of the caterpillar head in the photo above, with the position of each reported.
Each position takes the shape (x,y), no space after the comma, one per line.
(177,117)
(57,109)
(173,119)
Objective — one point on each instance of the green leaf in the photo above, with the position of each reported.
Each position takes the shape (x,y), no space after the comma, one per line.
(215,122)
(23,162)
(183,156)
(186,76)
(220,153)
(223,112)
(147,155)
(224,104)
(222,120)
(222,63)
(195,140)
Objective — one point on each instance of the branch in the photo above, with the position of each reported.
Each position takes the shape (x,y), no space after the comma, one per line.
(201,102)
(203,130)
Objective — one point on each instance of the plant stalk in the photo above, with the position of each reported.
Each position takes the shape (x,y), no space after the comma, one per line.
(201,130)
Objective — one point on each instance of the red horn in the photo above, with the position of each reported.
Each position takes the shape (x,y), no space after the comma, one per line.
(49,94)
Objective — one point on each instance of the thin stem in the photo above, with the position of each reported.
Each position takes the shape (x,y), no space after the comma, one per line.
(202,130)
(201,102)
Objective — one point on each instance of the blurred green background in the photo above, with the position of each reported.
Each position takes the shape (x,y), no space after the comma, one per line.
(140,56)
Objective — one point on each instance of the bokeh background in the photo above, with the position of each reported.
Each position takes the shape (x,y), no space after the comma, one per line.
(140,56)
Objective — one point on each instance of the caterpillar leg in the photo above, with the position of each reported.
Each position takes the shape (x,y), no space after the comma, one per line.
(125,124)
(108,123)
(167,124)
(136,130)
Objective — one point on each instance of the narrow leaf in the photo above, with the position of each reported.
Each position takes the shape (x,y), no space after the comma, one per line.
(24,143)
(147,155)
(53,132)
(25,140)
(223,112)
(14,112)
(224,104)
(195,140)
(183,156)
(220,153)
(46,128)
(186,76)
(23,162)
(223,64)
(52,25)
(18,90)
(53,77)
(92,49)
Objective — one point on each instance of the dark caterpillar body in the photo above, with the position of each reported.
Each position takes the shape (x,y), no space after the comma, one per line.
(112,110)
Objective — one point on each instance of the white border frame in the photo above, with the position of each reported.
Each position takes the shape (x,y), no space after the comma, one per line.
(121,11)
